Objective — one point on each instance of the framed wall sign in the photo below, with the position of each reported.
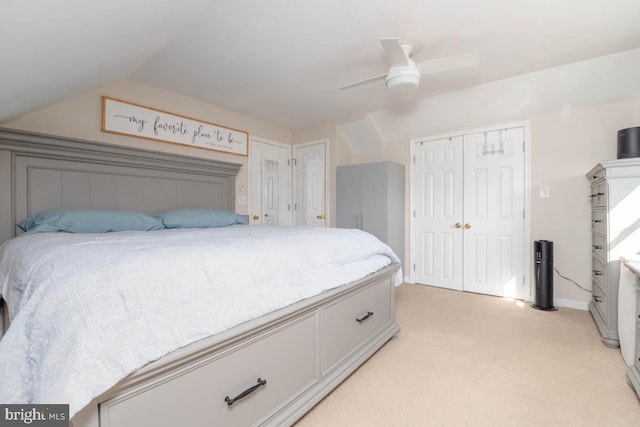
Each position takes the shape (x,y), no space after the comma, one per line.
(125,118)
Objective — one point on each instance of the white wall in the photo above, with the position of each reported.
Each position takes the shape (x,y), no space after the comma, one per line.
(80,117)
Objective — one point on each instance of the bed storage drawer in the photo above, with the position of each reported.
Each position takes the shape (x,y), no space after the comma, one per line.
(197,398)
(349,322)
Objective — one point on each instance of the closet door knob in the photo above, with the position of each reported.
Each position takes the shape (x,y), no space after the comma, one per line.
(467,226)
(458,225)
(256,217)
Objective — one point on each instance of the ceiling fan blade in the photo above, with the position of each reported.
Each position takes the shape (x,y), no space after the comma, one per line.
(364,82)
(394,52)
(451,63)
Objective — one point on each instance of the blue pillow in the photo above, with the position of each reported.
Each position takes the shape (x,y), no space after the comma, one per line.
(89,221)
(200,218)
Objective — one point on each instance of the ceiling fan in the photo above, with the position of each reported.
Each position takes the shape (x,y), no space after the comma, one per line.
(404,74)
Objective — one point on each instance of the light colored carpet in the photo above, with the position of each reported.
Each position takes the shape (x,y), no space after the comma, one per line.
(463,359)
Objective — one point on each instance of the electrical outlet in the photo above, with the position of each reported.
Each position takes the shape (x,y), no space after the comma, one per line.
(544,192)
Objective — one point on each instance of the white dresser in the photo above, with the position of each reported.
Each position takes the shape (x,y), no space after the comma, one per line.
(633,371)
(615,223)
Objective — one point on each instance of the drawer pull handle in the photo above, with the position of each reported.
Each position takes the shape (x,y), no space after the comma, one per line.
(231,401)
(597,272)
(597,247)
(599,194)
(597,220)
(365,317)
(597,298)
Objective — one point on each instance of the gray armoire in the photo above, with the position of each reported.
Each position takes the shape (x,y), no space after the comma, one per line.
(370,197)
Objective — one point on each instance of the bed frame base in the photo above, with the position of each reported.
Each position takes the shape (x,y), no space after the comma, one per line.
(99,413)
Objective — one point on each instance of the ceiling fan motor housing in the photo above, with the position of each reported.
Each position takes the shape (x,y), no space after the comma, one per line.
(403,79)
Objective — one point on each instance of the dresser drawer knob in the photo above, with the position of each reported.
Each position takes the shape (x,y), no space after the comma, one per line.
(597,298)
(230,401)
(597,272)
(597,247)
(365,317)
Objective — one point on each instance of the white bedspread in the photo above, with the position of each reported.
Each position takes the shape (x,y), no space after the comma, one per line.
(89,309)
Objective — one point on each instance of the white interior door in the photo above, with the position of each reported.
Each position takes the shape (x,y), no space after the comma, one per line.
(310,184)
(494,212)
(437,193)
(468,227)
(270,183)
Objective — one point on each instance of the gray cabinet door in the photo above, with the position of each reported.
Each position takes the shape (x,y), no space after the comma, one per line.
(370,197)
(347,197)
(374,199)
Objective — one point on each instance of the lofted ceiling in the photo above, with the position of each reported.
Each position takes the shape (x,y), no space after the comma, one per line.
(283,60)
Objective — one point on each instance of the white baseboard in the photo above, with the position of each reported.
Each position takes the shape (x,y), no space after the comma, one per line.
(569,303)
(557,302)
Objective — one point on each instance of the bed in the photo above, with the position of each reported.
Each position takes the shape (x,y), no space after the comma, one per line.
(265,368)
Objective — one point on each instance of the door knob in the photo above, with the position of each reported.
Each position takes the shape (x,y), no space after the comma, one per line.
(458,225)
(256,217)
(467,226)
(266,215)
(320,216)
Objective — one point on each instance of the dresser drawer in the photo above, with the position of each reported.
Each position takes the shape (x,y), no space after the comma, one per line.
(349,322)
(599,247)
(197,398)
(596,175)
(599,221)
(638,307)
(599,194)
(599,272)
(637,355)
(599,299)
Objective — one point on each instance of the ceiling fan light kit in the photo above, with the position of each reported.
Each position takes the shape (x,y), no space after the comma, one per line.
(403,79)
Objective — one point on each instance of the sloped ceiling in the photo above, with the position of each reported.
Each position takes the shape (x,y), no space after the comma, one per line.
(282,60)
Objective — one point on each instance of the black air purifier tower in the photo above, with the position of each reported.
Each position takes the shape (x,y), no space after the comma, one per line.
(543,258)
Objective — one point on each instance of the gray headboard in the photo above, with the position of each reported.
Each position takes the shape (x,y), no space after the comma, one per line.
(42,172)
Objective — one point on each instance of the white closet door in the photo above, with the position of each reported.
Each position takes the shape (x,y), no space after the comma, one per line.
(270,184)
(468,220)
(494,212)
(310,184)
(437,194)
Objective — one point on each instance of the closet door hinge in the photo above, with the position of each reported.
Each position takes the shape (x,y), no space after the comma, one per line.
(414,159)
(414,267)
(414,213)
